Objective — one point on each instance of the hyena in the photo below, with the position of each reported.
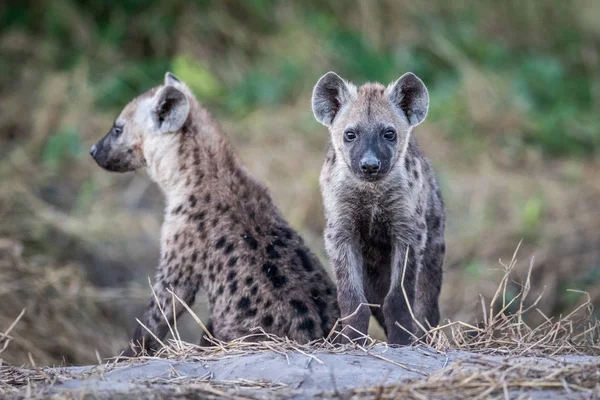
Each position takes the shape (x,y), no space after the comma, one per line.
(222,233)
(381,201)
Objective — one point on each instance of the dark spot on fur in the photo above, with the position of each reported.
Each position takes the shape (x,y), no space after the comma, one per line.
(271,252)
(278,242)
(207,198)
(233,287)
(178,209)
(200,178)
(197,216)
(231,276)
(307,325)
(272,273)
(407,164)
(232,261)
(299,306)
(436,223)
(287,232)
(229,248)
(250,241)
(251,312)
(254,290)
(416,174)
(211,277)
(193,201)
(244,303)
(249,280)
(220,290)
(267,303)
(304,260)
(267,321)
(257,229)
(220,243)
(411,184)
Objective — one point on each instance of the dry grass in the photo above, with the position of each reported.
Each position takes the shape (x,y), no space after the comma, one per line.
(49,313)
(492,380)
(499,332)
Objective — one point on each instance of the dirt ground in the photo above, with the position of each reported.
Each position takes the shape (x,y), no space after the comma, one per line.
(376,372)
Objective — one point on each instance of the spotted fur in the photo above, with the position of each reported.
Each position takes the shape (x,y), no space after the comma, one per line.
(222,234)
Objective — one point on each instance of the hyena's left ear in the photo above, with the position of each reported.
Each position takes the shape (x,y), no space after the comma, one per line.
(171,109)
(410,95)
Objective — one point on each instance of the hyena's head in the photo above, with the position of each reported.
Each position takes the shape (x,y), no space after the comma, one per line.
(145,123)
(370,126)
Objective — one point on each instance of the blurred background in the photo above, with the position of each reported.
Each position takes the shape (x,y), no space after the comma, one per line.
(513,132)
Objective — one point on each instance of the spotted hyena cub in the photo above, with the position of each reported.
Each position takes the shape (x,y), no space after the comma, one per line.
(381,200)
(221,234)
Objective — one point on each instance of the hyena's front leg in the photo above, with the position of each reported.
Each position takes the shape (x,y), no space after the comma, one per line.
(429,285)
(347,265)
(395,308)
(158,321)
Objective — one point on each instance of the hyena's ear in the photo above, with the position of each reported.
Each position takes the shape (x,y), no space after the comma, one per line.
(171,109)
(329,95)
(171,80)
(410,95)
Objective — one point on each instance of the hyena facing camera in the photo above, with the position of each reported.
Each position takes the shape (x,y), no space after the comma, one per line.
(381,200)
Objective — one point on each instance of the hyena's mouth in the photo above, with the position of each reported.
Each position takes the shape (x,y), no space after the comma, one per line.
(111,165)
(370,177)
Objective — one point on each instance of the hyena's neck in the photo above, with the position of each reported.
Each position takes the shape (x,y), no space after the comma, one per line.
(202,160)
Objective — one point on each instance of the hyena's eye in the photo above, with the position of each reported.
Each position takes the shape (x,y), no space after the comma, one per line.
(349,136)
(116,131)
(389,134)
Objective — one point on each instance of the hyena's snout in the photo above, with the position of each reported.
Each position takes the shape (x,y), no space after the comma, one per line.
(370,164)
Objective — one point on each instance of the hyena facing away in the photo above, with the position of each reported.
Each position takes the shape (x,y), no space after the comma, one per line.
(221,232)
(381,200)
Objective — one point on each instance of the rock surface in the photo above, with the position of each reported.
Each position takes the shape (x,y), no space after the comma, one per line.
(271,374)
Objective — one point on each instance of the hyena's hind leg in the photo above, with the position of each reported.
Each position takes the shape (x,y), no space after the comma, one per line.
(158,319)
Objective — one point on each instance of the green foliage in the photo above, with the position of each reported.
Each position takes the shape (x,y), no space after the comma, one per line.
(130,44)
(531,216)
(198,77)
(61,147)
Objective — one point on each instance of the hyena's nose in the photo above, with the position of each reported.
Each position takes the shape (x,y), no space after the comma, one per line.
(370,164)
(93,150)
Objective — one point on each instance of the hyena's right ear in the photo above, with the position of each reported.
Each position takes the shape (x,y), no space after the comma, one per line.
(171,109)
(329,95)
